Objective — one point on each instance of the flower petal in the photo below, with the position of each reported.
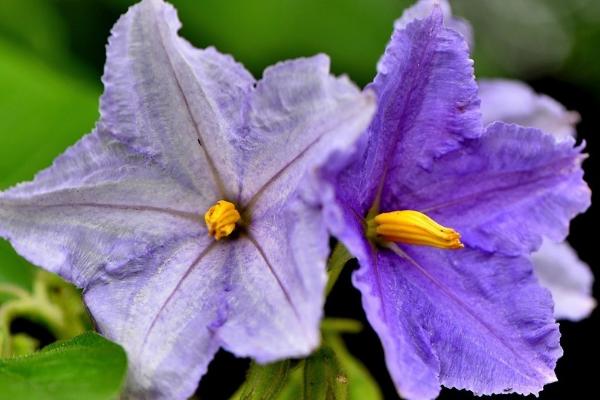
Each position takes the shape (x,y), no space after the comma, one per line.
(162,316)
(423,8)
(502,192)
(464,319)
(427,94)
(568,278)
(98,198)
(172,102)
(194,297)
(515,102)
(299,114)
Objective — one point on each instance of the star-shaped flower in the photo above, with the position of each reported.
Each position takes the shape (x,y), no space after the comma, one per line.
(181,215)
(457,306)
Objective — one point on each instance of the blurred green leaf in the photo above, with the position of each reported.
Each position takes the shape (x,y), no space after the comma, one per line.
(41,113)
(86,367)
(35,25)
(331,371)
(13,268)
(259,33)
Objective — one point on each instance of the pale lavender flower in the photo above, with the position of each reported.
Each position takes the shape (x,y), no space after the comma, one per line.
(474,317)
(515,102)
(121,213)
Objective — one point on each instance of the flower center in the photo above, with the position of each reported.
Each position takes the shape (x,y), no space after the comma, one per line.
(412,227)
(221,219)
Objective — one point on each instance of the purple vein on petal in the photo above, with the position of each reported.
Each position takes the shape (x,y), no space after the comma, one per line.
(392,148)
(275,275)
(201,141)
(176,213)
(486,193)
(189,270)
(378,280)
(402,254)
(276,176)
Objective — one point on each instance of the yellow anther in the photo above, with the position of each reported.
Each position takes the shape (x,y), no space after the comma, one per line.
(221,219)
(413,227)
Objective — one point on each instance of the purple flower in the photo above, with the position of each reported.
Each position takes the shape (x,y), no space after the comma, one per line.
(181,215)
(472,317)
(556,265)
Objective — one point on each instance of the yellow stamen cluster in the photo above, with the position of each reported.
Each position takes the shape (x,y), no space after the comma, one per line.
(413,227)
(221,219)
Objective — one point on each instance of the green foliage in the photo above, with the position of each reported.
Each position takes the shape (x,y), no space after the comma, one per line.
(52,304)
(14,269)
(331,373)
(86,367)
(361,384)
(41,113)
(35,25)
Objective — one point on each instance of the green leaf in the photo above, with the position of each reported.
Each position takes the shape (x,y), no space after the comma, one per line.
(42,112)
(13,268)
(86,367)
(35,25)
(264,382)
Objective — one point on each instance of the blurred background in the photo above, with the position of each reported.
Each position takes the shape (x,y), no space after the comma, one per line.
(52,56)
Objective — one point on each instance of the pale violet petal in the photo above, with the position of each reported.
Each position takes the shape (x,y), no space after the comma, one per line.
(172,102)
(515,102)
(98,198)
(569,279)
(299,114)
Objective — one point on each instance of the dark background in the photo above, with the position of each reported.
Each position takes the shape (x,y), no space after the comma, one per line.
(51,60)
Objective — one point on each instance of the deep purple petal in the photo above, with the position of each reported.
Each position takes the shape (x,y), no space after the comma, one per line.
(427,106)
(502,192)
(423,9)
(515,102)
(464,319)
(569,279)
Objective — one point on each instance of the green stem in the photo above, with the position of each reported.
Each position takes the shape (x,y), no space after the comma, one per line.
(13,291)
(341,325)
(335,265)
